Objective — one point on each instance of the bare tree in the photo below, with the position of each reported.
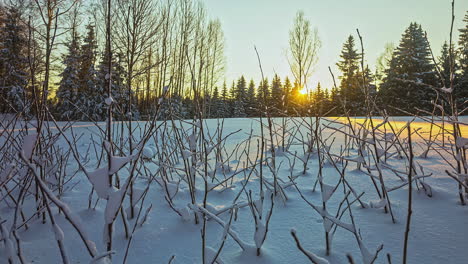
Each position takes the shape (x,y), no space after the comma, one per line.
(135,28)
(383,61)
(304,44)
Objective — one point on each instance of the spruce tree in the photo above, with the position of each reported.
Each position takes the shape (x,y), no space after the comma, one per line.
(335,102)
(350,86)
(251,109)
(461,89)
(445,65)
(91,95)
(215,104)
(67,93)
(13,61)
(326,105)
(276,95)
(287,87)
(238,109)
(225,109)
(241,91)
(239,98)
(232,99)
(263,93)
(410,74)
(318,100)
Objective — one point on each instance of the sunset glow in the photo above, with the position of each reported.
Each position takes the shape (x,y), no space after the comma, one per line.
(303,91)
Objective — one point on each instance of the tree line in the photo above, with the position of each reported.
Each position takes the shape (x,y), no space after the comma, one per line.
(172,49)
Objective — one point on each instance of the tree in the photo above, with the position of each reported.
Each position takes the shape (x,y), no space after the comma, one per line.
(225,108)
(383,62)
(240,91)
(119,91)
(335,101)
(318,100)
(276,94)
(445,65)
(238,109)
(410,73)
(251,108)
(90,93)
(67,93)
(51,13)
(287,87)
(215,104)
(461,90)
(351,88)
(304,44)
(326,105)
(13,61)
(263,93)
(215,62)
(135,29)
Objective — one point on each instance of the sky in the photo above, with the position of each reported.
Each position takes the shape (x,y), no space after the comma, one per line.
(266,24)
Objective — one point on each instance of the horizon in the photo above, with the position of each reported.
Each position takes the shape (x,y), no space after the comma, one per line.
(328,18)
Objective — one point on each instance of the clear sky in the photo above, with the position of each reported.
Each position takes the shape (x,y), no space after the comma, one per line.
(266,24)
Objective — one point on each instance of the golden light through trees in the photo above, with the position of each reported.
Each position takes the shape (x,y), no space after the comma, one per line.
(303,91)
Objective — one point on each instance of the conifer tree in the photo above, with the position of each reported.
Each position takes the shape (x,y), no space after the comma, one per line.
(326,105)
(276,94)
(67,93)
(91,94)
(239,98)
(263,93)
(13,61)
(445,65)
(251,109)
(224,109)
(238,109)
(287,87)
(350,88)
(410,73)
(241,91)
(215,104)
(335,101)
(318,100)
(461,89)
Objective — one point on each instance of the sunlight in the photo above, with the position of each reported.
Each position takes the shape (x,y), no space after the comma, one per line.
(303,91)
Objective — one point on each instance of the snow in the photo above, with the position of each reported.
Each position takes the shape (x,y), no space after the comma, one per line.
(260,234)
(109,100)
(9,247)
(113,205)
(438,231)
(100,180)
(28,144)
(316,259)
(446,90)
(7,173)
(148,153)
(118,162)
(210,254)
(461,142)
(378,203)
(59,235)
(327,192)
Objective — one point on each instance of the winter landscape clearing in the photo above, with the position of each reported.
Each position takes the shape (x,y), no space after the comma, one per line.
(122,140)
(165,222)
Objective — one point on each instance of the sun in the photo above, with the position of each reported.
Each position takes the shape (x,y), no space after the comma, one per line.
(303,91)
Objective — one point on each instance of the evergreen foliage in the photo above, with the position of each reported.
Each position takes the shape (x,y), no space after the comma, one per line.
(410,74)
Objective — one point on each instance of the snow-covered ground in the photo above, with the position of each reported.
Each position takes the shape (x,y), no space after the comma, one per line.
(438,231)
